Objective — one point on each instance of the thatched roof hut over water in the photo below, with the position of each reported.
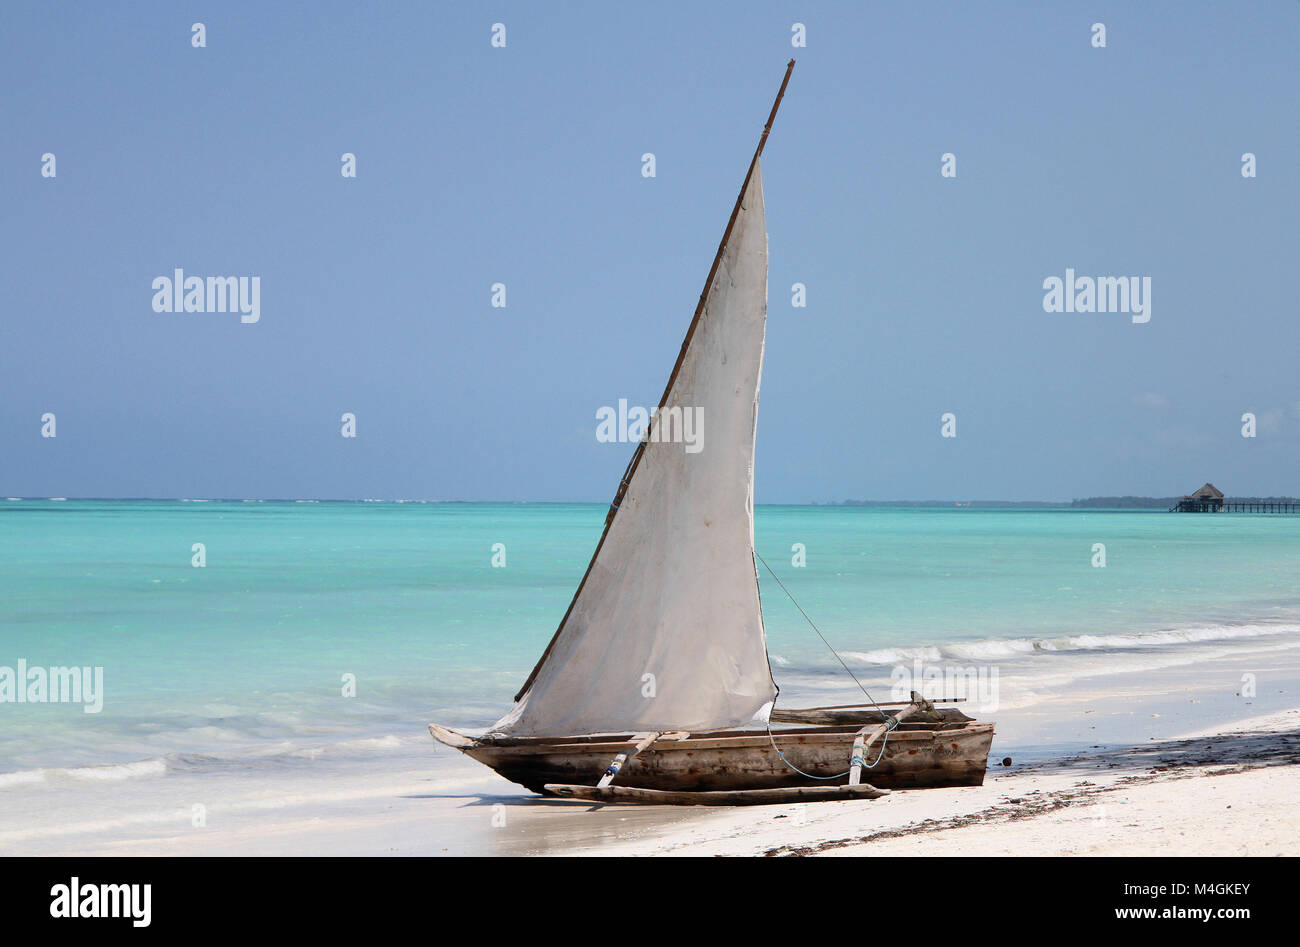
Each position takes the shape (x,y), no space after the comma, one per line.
(1208,499)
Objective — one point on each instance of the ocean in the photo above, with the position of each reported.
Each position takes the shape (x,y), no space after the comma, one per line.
(237,671)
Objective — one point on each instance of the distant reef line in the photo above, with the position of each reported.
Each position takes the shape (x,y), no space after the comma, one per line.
(1087,503)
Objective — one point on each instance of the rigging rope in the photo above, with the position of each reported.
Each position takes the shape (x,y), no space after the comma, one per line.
(890,721)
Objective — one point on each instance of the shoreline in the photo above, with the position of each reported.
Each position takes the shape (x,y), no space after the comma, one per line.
(1128,761)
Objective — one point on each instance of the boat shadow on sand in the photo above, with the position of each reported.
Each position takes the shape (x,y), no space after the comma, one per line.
(522,798)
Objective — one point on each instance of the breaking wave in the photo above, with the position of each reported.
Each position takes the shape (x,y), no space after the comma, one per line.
(114,772)
(998,648)
(280,756)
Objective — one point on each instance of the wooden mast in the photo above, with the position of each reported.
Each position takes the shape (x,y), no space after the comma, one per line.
(681,356)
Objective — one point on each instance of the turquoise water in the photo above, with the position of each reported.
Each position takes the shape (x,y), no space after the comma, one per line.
(244,659)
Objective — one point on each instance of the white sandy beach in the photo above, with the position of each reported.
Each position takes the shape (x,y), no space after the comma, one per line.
(1229,792)
(1170,762)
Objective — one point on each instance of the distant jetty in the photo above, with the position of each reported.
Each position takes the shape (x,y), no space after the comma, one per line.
(1192,503)
(1210,499)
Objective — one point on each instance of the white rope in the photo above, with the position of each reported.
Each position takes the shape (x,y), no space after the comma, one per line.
(890,721)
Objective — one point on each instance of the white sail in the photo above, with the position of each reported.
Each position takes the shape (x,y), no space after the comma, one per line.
(666,631)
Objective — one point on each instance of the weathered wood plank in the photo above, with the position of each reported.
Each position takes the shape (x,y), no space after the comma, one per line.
(735,797)
(891,703)
(835,716)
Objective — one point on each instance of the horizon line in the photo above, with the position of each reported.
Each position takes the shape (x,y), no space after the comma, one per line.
(844,502)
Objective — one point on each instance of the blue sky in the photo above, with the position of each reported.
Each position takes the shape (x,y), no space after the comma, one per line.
(522,165)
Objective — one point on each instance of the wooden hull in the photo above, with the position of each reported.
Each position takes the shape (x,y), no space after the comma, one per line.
(916,756)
